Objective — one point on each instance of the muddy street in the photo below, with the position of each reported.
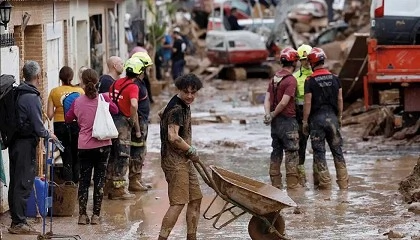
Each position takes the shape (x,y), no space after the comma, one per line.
(230,134)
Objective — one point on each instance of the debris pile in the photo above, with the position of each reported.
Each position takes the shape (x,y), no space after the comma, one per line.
(382,120)
(410,186)
(308,20)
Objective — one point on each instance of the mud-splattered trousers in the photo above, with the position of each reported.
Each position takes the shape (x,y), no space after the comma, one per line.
(324,126)
(303,138)
(92,159)
(138,150)
(285,137)
(120,152)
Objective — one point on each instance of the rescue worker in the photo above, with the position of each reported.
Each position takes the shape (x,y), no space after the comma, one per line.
(22,149)
(125,94)
(177,153)
(279,106)
(301,75)
(138,145)
(323,108)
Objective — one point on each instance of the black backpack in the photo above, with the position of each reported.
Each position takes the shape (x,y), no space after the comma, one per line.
(8,110)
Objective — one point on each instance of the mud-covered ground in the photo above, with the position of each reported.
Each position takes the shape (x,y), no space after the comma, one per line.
(368,210)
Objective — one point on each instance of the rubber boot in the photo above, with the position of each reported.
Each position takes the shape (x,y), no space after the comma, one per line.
(135,185)
(275,175)
(324,180)
(118,192)
(292,176)
(301,174)
(342,176)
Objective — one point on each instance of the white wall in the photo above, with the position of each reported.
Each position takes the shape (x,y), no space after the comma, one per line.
(55,53)
(79,51)
(11,66)
(123,49)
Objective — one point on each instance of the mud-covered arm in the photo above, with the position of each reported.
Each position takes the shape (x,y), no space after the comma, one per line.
(174,138)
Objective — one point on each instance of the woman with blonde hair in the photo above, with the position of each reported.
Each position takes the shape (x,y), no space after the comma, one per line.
(93,153)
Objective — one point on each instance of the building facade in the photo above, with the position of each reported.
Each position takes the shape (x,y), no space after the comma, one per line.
(56,33)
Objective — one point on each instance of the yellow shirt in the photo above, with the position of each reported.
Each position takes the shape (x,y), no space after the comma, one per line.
(57,95)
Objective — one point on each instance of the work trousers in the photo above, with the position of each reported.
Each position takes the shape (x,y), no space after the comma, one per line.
(324,127)
(120,152)
(138,149)
(92,159)
(303,138)
(23,164)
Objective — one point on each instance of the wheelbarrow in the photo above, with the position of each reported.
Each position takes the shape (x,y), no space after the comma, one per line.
(263,201)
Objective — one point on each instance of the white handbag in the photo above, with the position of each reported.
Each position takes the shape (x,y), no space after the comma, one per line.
(103,125)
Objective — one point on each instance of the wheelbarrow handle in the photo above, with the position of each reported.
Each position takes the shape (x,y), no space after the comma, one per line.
(202,170)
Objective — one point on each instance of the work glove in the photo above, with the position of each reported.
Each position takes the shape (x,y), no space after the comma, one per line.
(305,128)
(192,154)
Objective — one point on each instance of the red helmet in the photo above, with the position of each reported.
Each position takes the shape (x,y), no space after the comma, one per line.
(289,55)
(316,55)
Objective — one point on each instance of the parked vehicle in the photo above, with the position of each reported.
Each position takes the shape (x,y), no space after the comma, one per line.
(396,21)
(328,35)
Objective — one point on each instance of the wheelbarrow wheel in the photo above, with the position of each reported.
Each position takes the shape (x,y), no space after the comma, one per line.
(259,230)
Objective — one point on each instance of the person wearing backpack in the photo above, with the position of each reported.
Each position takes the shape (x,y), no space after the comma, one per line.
(279,106)
(93,153)
(125,94)
(22,148)
(67,133)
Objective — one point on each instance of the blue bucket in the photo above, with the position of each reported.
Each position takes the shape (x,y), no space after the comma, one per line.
(41,188)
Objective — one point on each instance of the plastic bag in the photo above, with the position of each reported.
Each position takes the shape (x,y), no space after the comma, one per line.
(103,125)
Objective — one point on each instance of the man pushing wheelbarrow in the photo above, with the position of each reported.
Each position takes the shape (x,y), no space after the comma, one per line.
(179,158)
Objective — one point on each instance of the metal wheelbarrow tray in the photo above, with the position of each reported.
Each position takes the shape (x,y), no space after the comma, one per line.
(263,201)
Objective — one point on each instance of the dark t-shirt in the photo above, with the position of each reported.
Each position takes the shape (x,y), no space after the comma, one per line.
(324,86)
(144,102)
(180,47)
(178,113)
(287,86)
(105,81)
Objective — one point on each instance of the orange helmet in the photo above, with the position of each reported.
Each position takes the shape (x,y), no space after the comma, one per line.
(316,55)
(289,55)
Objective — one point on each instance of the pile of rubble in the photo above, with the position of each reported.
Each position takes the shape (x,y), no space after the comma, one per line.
(308,23)
(383,121)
